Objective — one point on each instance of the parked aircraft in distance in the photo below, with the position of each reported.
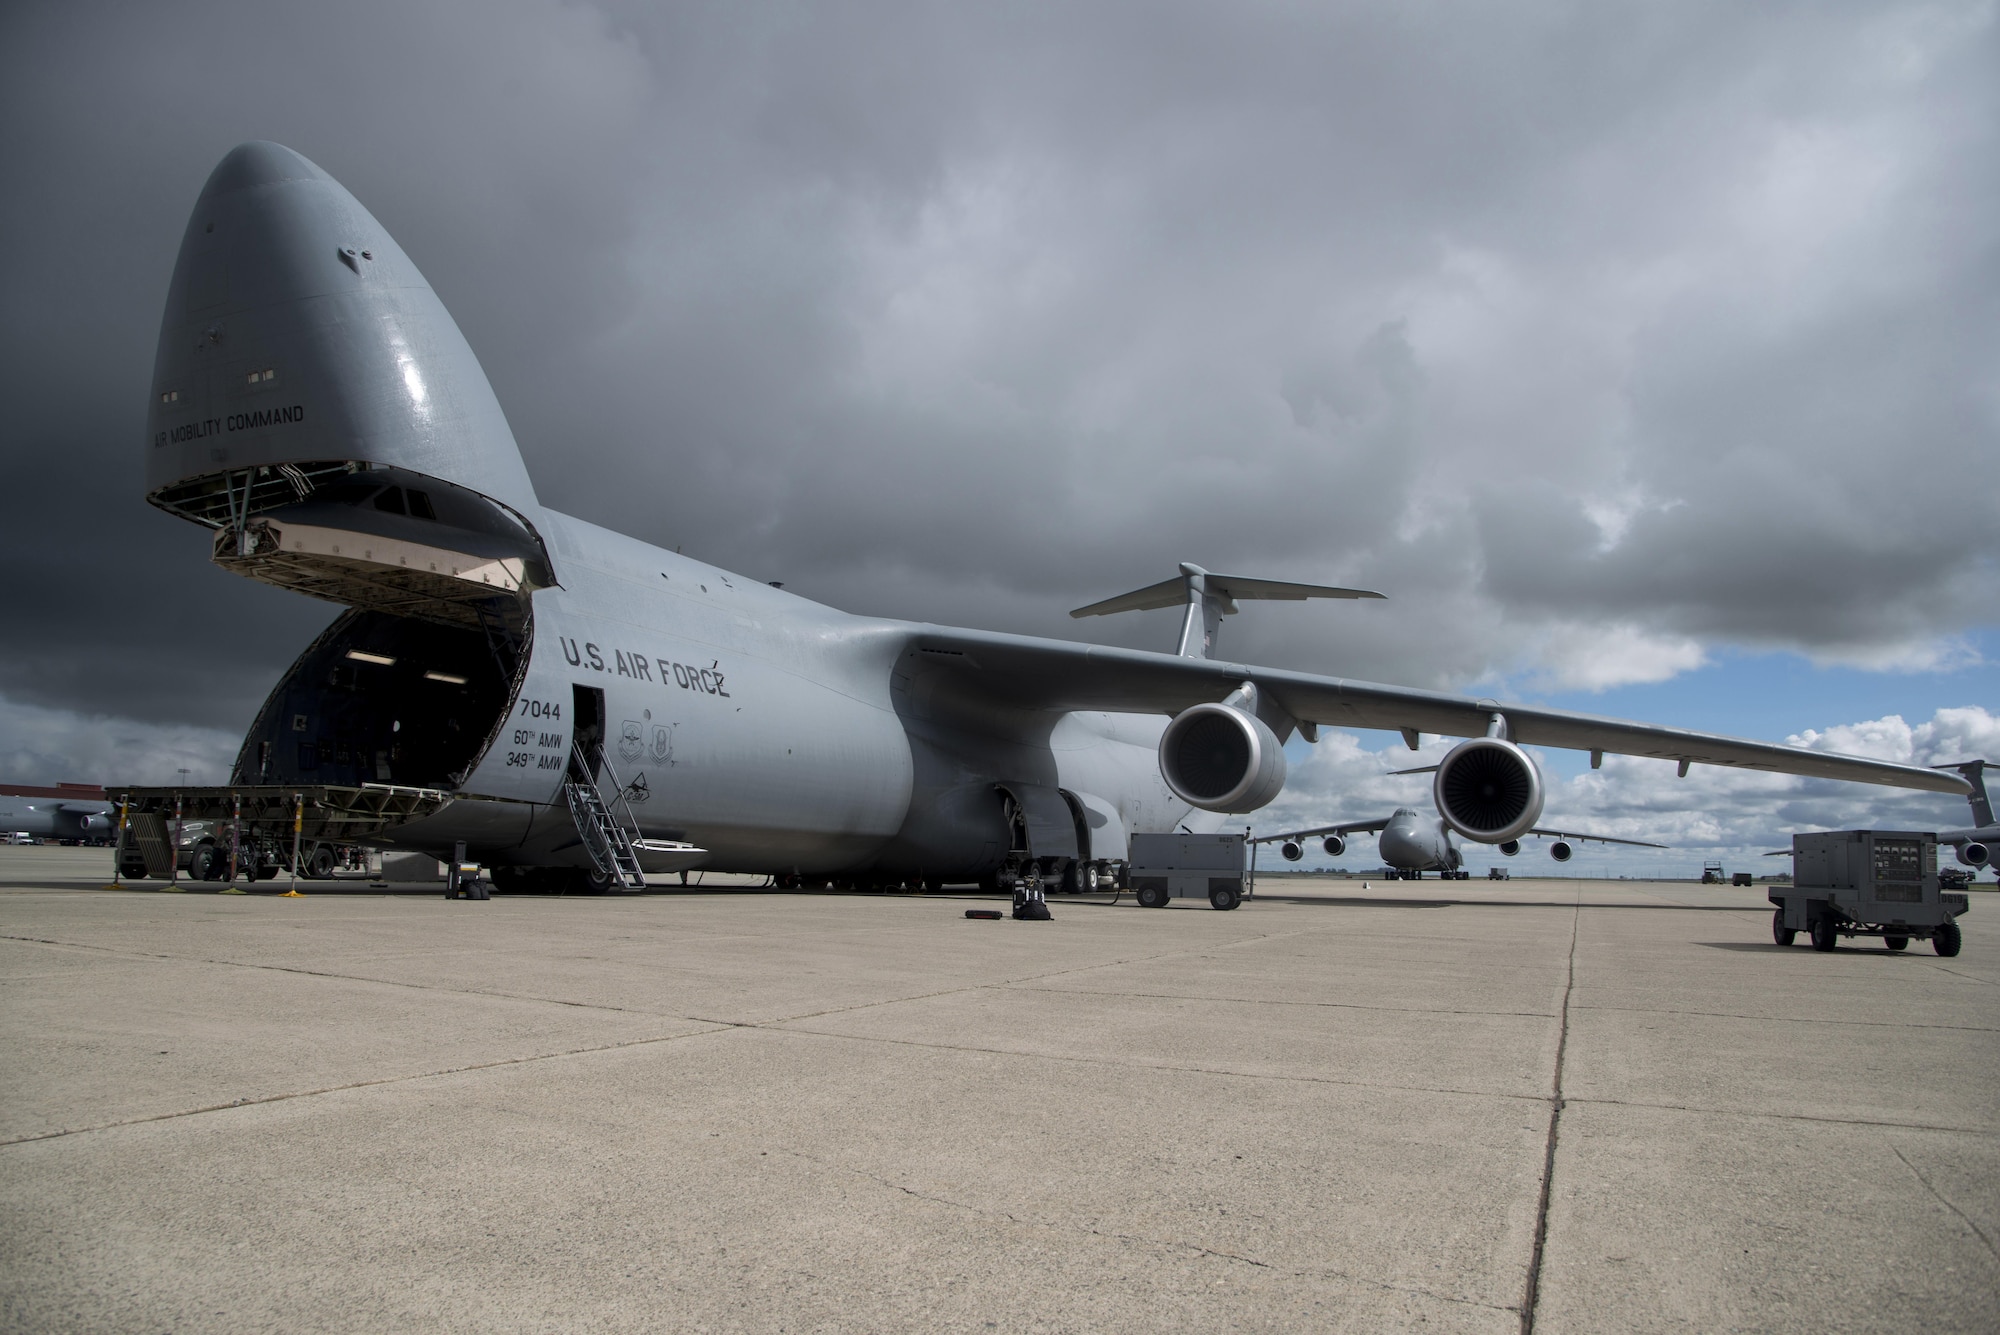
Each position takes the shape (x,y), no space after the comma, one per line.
(571,704)
(63,812)
(1413,842)
(1973,845)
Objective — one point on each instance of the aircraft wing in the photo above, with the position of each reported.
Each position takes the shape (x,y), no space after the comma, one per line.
(1352,827)
(1595,838)
(1024,672)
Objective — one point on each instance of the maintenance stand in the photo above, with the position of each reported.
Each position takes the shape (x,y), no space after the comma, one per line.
(1866,883)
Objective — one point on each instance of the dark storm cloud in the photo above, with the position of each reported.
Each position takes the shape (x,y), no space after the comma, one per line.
(1592,337)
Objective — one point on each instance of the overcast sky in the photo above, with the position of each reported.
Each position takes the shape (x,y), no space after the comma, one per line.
(1618,345)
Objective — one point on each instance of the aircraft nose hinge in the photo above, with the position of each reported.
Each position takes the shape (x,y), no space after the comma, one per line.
(352,256)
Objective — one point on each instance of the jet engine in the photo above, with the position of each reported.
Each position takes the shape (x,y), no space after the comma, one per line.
(1292,849)
(1562,850)
(1509,846)
(1334,845)
(1219,758)
(1488,790)
(1974,854)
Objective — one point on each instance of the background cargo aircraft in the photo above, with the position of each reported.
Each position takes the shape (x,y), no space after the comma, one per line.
(563,690)
(1413,842)
(51,813)
(1974,844)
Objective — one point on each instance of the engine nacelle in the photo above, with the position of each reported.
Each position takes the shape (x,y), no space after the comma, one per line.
(1509,846)
(1562,850)
(1334,845)
(1974,854)
(1292,849)
(1221,759)
(1488,790)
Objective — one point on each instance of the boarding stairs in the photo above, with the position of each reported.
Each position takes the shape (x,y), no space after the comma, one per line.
(607,840)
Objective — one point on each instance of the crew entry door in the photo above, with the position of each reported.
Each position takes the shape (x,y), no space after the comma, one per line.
(587,729)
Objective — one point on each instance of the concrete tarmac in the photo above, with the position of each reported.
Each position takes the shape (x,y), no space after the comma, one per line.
(1567,1106)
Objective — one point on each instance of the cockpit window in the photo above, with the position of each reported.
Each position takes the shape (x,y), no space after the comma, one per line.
(390,499)
(420,505)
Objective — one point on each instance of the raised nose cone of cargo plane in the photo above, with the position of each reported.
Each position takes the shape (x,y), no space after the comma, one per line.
(303,360)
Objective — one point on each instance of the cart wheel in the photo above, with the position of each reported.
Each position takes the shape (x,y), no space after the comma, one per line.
(1780,933)
(1152,897)
(1824,935)
(1896,942)
(1945,940)
(1224,898)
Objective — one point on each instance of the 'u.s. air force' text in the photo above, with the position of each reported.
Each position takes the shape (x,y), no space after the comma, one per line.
(684,675)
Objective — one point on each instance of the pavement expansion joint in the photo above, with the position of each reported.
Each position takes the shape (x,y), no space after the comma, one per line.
(984,986)
(1782,1019)
(1532,1290)
(1137,1239)
(1947,1203)
(290,1095)
(1957,973)
(1272,1001)
(787,1027)
(1761,1115)
(301,971)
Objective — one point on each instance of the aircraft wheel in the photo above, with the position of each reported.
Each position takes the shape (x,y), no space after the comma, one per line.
(1780,933)
(1224,898)
(1824,935)
(1945,940)
(1896,942)
(1152,897)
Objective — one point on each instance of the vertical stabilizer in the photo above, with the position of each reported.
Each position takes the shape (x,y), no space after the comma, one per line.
(1982,806)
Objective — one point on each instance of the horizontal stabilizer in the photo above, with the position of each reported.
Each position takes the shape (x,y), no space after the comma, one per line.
(1174,593)
(1209,598)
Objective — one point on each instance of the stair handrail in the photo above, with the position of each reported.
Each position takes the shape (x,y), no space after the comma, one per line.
(618,787)
(589,828)
(624,858)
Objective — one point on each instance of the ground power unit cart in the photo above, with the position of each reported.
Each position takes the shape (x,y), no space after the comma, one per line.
(1189,866)
(1866,883)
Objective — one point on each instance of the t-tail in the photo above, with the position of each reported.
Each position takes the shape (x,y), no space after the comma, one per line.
(1209,598)
(1975,774)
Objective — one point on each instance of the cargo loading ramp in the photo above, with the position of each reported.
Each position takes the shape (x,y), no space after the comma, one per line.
(325,813)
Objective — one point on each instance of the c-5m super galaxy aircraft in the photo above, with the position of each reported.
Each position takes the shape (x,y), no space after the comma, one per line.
(552,696)
(1413,842)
